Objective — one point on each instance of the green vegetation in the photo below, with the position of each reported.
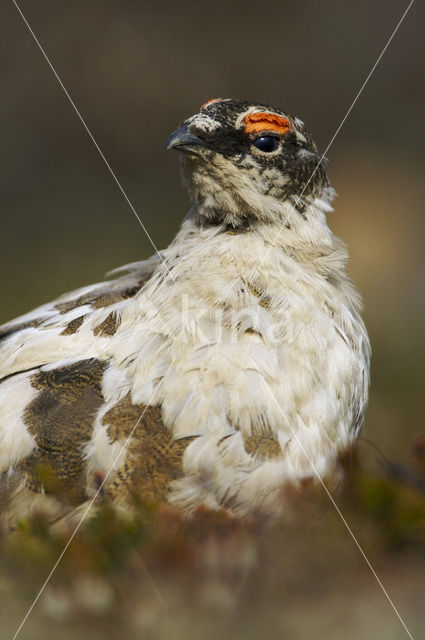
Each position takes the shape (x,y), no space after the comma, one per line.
(160,575)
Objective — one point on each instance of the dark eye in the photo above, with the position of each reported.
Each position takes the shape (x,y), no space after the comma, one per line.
(266,143)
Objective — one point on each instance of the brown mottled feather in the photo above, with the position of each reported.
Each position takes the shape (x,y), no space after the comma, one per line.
(110,293)
(73,326)
(154,458)
(61,419)
(262,445)
(264,298)
(108,327)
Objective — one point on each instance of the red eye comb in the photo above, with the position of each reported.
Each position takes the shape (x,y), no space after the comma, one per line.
(265,121)
(210,102)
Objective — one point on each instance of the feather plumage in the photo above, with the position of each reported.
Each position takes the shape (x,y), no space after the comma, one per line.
(239,358)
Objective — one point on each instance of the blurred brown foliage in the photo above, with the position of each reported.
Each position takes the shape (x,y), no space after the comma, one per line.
(161,575)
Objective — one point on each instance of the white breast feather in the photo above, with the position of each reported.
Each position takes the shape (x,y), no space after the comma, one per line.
(300,372)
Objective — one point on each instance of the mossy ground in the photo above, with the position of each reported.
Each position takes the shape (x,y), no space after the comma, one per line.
(160,575)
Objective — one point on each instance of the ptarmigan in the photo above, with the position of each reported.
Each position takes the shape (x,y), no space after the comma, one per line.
(230,366)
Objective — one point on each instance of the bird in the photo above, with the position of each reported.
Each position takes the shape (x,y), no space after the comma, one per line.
(220,371)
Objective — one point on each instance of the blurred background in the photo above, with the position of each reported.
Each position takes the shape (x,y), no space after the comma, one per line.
(135,70)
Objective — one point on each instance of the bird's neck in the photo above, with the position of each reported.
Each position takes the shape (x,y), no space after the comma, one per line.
(304,235)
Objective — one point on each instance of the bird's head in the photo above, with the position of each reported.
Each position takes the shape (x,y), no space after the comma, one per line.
(245,162)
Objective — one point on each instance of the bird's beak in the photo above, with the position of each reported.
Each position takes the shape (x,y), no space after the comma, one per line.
(183,140)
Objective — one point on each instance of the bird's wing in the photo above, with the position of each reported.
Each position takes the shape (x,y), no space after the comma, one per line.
(59,434)
(83,300)
(42,336)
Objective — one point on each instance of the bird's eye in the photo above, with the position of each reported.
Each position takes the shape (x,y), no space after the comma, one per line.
(266,143)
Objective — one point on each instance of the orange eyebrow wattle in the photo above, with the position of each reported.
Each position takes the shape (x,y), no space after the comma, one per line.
(210,102)
(265,121)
